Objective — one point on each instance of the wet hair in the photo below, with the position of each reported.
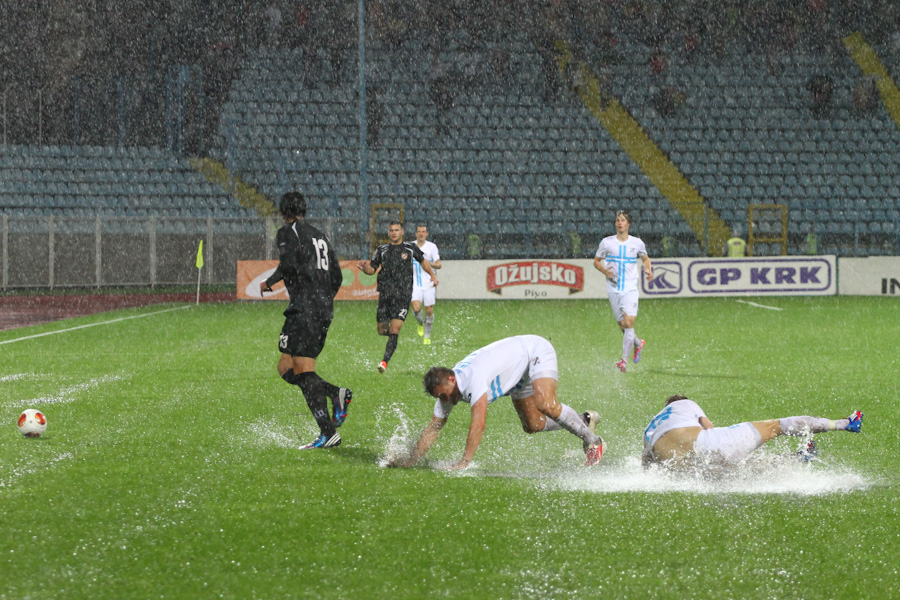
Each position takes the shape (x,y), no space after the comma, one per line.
(395,222)
(675,398)
(435,377)
(624,213)
(292,204)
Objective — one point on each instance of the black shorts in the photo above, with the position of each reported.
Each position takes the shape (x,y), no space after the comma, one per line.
(303,335)
(392,307)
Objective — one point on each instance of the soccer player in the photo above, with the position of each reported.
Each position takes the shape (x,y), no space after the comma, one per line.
(617,258)
(423,289)
(312,275)
(682,431)
(523,367)
(394,263)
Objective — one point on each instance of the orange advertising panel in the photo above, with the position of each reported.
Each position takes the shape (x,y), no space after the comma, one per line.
(251,273)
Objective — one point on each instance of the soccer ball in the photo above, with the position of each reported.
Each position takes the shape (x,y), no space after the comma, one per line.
(32,423)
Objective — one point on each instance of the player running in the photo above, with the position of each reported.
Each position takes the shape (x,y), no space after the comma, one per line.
(523,367)
(423,289)
(394,263)
(617,258)
(312,275)
(682,431)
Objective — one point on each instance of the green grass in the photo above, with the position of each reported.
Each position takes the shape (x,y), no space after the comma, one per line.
(170,469)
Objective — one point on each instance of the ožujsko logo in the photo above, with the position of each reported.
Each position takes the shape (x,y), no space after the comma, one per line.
(535,273)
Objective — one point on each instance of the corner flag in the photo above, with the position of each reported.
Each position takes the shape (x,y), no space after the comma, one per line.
(199,267)
(200,255)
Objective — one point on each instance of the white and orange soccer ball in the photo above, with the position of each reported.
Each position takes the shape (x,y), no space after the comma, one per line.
(32,423)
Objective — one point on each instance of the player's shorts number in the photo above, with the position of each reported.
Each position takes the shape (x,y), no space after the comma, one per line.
(403,313)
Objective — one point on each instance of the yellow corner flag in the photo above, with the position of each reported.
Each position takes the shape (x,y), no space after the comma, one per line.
(200,255)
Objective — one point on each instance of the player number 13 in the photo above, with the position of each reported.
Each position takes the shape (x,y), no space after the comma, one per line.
(321,253)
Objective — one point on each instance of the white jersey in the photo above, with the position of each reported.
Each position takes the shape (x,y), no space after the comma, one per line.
(421,279)
(681,413)
(622,259)
(500,369)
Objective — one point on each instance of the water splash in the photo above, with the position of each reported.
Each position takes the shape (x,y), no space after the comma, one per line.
(762,474)
(399,442)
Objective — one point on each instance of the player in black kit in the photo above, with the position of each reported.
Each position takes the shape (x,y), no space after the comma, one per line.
(312,275)
(393,261)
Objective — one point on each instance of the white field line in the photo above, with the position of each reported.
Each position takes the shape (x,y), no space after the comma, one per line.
(759,305)
(110,322)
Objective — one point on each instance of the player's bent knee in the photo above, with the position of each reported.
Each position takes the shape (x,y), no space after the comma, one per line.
(529,427)
(552,410)
(532,423)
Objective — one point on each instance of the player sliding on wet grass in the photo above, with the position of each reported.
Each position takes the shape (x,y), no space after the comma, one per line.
(681,433)
(524,368)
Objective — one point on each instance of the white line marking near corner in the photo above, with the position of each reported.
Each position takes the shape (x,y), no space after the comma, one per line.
(759,305)
(110,322)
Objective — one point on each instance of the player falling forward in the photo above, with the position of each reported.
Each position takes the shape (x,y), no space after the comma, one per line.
(681,431)
(423,289)
(312,275)
(523,367)
(394,263)
(617,258)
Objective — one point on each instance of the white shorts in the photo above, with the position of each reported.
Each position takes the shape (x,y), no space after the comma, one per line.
(425,296)
(623,304)
(542,363)
(734,443)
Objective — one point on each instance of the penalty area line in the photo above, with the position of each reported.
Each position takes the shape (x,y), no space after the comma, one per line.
(759,305)
(110,322)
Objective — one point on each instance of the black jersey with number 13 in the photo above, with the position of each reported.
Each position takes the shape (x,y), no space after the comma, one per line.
(309,267)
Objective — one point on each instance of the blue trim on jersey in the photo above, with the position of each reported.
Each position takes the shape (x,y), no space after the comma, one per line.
(417,273)
(655,423)
(496,390)
(621,261)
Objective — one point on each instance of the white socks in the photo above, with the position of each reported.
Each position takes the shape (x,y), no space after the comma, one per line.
(628,343)
(418,316)
(807,425)
(573,423)
(429,321)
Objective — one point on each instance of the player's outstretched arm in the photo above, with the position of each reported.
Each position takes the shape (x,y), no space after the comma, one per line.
(426,439)
(476,431)
(648,268)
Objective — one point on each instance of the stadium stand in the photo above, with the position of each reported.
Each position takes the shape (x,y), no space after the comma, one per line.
(514,168)
(471,150)
(82,181)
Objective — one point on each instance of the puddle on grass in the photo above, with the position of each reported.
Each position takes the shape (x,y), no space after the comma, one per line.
(761,474)
(64,395)
(271,433)
(10,476)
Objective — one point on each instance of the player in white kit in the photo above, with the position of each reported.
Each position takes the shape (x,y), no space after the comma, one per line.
(423,288)
(681,431)
(617,258)
(523,367)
